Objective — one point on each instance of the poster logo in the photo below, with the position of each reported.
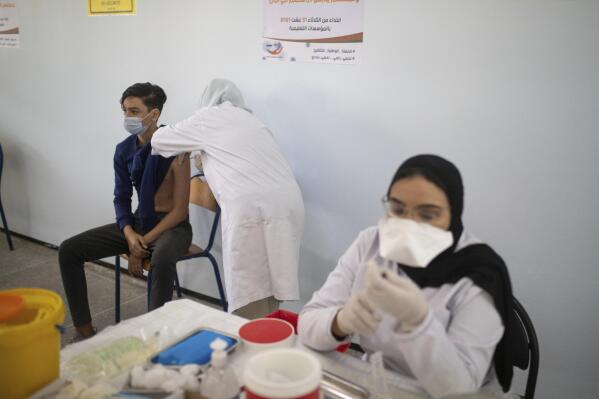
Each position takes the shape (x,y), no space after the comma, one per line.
(273,48)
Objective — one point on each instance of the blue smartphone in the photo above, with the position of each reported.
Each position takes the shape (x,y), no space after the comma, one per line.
(195,349)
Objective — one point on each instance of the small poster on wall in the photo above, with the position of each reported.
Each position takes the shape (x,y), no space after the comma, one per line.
(9,25)
(324,31)
(110,7)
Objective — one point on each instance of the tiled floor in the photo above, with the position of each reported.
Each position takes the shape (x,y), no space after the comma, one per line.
(34,265)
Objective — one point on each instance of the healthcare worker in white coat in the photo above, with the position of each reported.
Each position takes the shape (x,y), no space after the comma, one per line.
(433,299)
(261,203)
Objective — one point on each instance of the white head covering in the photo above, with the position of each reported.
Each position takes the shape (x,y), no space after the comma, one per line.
(219,91)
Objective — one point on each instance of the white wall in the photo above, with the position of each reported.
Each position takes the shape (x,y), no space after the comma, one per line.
(507,89)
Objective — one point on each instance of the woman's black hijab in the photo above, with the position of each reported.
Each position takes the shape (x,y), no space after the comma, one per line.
(478,262)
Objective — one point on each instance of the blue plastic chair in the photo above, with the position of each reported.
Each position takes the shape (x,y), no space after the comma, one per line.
(4,222)
(193,252)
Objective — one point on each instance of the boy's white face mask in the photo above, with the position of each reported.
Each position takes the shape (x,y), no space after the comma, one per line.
(410,243)
(134,124)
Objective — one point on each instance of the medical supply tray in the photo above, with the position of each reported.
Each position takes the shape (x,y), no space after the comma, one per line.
(336,387)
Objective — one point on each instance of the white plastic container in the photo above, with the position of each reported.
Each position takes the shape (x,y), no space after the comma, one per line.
(282,374)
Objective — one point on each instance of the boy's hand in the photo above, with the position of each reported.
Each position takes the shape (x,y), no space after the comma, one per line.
(135,266)
(137,244)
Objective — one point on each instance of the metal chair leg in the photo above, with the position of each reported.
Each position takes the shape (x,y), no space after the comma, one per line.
(177,286)
(149,287)
(6,230)
(221,291)
(117,289)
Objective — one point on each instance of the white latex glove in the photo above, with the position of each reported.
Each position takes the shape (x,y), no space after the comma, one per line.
(396,295)
(358,316)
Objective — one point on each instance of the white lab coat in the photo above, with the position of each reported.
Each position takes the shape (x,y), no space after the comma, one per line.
(451,352)
(261,203)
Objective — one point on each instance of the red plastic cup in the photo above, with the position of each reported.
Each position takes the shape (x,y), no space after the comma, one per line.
(266,333)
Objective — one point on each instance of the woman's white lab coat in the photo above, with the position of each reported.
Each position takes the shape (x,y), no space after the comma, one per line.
(261,203)
(451,352)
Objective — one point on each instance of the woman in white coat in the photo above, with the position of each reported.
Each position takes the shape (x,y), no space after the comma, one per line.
(261,203)
(431,297)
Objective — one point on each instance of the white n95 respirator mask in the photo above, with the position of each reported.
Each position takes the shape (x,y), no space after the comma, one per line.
(411,243)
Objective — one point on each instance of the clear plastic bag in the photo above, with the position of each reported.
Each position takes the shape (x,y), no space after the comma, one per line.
(111,359)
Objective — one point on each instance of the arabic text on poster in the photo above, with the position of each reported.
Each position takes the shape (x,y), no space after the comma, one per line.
(325,31)
(9,25)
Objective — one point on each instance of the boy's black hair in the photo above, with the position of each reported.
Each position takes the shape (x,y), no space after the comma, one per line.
(150,94)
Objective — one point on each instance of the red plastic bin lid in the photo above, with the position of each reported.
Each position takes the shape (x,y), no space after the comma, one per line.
(265,331)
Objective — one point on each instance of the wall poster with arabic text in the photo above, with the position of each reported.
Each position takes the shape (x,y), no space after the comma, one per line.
(324,31)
